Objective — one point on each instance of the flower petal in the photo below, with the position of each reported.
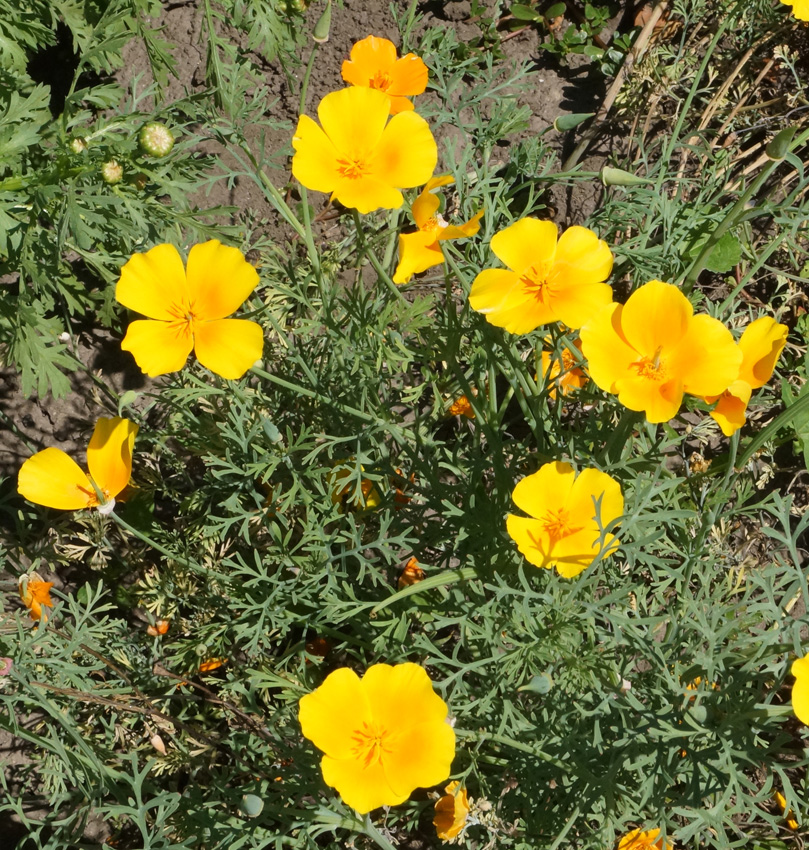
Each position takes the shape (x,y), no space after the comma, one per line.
(573,554)
(369,57)
(462,231)
(800,690)
(762,343)
(501,296)
(707,359)
(525,243)
(219,280)
(608,354)
(422,756)
(731,408)
(547,489)
(531,538)
(367,194)
(354,119)
(400,104)
(314,163)
(581,257)
(408,76)
(109,455)
(593,487)
(406,155)
(492,287)
(153,282)
(53,479)
(363,788)
(402,696)
(228,347)
(331,714)
(656,316)
(158,347)
(425,206)
(576,303)
(659,400)
(418,252)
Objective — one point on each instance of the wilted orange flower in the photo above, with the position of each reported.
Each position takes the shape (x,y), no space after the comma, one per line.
(451,812)
(373,64)
(187,309)
(800,8)
(563,531)
(369,496)
(546,281)
(787,813)
(35,594)
(211,664)
(563,372)
(761,345)
(359,156)
(643,840)
(383,735)
(160,627)
(400,498)
(421,250)
(462,407)
(411,574)
(653,349)
(53,479)
(800,690)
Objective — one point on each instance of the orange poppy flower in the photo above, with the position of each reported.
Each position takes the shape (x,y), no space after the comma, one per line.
(373,64)
(421,250)
(35,594)
(461,407)
(563,372)
(159,628)
(451,812)
(411,574)
(211,664)
(53,479)
(640,839)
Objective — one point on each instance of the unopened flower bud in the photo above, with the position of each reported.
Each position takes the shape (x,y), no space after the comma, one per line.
(78,145)
(156,139)
(112,172)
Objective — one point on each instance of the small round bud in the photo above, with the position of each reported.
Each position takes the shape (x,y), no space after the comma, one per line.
(78,145)
(156,139)
(112,172)
(140,181)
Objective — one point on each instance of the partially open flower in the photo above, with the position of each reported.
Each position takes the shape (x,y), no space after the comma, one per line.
(564,509)
(187,309)
(421,250)
(382,736)
(781,800)
(451,812)
(461,407)
(359,156)
(640,839)
(546,280)
(653,349)
(411,574)
(761,345)
(373,64)
(35,595)
(563,372)
(53,479)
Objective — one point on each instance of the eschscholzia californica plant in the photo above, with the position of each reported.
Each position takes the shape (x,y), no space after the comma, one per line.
(53,479)
(761,345)
(421,250)
(382,736)
(781,800)
(653,349)
(800,8)
(411,574)
(373,64)
(451,812)
(640,839)
(562,528)
(359,156)
(187,309)
(547,280)
(36,595)
(563,372)
(800,690)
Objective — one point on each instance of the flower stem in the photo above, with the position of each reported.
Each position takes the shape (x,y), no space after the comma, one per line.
(373,833)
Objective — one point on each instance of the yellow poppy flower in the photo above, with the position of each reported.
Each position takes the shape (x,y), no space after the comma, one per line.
(421,250)
(761,345)
(563,373)
(640,839)
(451,812)
(546,280)
(35,594)
(562,531)
(359,156)
(187,309)
(53,479)
(383,735)
(800,8)
(373,64)
(653,349)
(800,690)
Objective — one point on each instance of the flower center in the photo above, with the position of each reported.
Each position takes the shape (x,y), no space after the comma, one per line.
(353,169)
(651,368)
(371,742)
(568,361)
(557,524)
(380,80)
(434,225)
(535,281)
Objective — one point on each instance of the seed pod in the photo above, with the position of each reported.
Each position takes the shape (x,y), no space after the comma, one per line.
(78,145)
(156,139)
(112,172)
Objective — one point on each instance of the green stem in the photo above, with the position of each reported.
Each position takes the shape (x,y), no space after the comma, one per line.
(373,833)
(484,737)
(306,77)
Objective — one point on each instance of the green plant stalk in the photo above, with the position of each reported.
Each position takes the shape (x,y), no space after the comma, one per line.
(484,737)
(443,579)
(306,77)
(365,250)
